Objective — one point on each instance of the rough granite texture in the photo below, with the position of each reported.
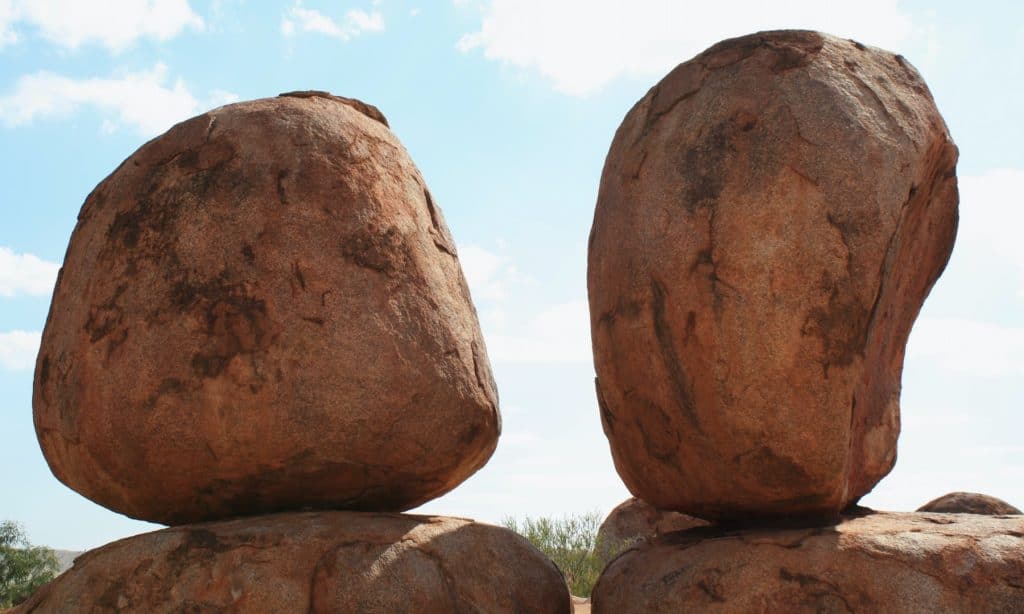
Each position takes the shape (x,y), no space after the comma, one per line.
(263,310)
(881,562)
(969,503)
(770,218)
(319,562)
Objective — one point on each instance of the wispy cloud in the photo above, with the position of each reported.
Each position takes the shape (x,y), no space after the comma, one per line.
(114,24)
(25,274)
(147,101)
(532,331)
(18,349)
(354,23)
(582,45)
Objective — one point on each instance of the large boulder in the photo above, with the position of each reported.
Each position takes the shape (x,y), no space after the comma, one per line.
(969,503)
(263,310)
(634,521)
(321,562)
(897,563)
(770,218)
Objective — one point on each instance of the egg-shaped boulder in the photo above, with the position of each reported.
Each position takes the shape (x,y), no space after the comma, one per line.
(263,310)
(770,218)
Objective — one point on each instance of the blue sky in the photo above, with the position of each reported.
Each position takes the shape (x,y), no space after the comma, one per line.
(508,108)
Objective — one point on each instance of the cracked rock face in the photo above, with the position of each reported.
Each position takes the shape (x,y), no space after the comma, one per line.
(881,562)
(345,562)
(969,503)
(770,219)
(263,310)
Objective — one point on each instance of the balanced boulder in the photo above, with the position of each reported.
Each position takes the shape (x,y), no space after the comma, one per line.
(320,562)
(770,218)
(262,310)
(881,562)
(969,503)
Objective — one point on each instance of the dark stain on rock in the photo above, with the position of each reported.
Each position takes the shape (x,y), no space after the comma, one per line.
(105,317)
(384,253)
(703,168)
(169,385)
(235,322)
(682,387)
(248,254)
(282,196)
(770,469)
(841,327)
(44,370)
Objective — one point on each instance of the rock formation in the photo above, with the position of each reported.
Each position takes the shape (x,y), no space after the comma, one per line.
(770,218)
(969,503)
(263,310)
(262,313)
(880,562)
(321,562)
(634,521)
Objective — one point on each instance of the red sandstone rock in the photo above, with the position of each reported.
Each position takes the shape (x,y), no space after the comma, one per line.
(969,503)
(770,218)
(634,521)
(263,310)
(896,563)
(327,562)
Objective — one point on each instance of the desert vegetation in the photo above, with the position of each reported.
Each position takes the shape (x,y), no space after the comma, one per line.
(23,567)
(573,544)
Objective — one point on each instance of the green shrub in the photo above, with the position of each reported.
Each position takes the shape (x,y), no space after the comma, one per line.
(572,543)
(23,567)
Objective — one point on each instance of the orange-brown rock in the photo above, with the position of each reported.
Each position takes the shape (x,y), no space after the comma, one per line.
(321,562)
(883,562)
(770,218)
(262,310)
(969,503)
(635,520)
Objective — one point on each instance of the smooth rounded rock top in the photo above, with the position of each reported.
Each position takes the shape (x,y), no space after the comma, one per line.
(263,310)
(770,218)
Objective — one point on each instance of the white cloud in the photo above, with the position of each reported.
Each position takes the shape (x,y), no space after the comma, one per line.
(581,45)
(991,219)
(559,333)
(488,274)
(967,346)
(146,101)
(18,349)
(115,24)
(7,16)
(354,23)
(25,274)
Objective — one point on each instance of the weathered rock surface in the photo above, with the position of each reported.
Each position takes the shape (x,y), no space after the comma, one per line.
(263,310)
(882,562)
(770,218)
(635,520)
(969,503)
(316,562)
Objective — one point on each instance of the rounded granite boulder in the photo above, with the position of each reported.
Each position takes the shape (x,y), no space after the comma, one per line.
(770,218)
(263,310)
(317,562)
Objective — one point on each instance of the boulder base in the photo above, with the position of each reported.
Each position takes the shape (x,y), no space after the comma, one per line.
(880,562)
(262,310)
(324,562)
(770,218)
